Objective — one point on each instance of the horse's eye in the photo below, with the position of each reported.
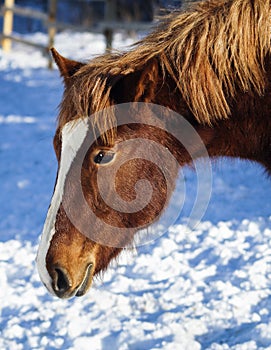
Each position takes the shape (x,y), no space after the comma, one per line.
(103,157)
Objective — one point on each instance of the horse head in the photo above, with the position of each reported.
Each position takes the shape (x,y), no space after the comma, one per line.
(107,189)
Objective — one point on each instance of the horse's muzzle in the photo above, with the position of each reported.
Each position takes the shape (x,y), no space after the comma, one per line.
(63,284)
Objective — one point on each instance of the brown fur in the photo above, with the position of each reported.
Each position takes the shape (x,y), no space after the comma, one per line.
(211,64)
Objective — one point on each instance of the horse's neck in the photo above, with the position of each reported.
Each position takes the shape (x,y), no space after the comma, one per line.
(245,134)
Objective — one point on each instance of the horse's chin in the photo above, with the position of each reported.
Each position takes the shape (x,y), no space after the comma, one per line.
(81,292)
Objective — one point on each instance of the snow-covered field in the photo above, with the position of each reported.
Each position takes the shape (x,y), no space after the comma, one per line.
(206,289)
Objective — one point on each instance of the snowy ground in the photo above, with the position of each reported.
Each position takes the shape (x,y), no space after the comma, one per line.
(209,289)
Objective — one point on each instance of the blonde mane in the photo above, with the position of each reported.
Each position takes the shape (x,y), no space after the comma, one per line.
(211,50)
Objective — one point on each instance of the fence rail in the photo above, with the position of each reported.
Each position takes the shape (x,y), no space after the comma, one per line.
(24,11)
(107,27)
(18,39)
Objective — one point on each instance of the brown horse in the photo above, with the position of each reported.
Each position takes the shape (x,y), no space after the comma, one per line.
(209,69)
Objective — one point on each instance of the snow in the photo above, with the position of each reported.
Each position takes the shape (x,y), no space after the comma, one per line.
(204,289)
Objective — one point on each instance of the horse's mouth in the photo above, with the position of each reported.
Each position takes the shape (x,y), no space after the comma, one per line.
(83,288)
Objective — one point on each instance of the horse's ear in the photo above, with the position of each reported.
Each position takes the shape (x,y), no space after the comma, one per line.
(66,67)
(145,90)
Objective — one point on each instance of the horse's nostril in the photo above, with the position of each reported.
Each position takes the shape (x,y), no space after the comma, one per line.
(62,282)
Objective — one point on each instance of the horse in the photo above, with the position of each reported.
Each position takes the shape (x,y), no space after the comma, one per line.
(208,68)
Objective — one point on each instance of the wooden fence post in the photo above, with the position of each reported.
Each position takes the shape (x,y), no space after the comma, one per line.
(110,16)
(51,28)
(7,25)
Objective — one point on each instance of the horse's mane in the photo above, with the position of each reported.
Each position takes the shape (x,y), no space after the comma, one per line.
(211,50)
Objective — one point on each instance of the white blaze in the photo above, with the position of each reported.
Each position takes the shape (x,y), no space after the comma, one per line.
(73,135)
